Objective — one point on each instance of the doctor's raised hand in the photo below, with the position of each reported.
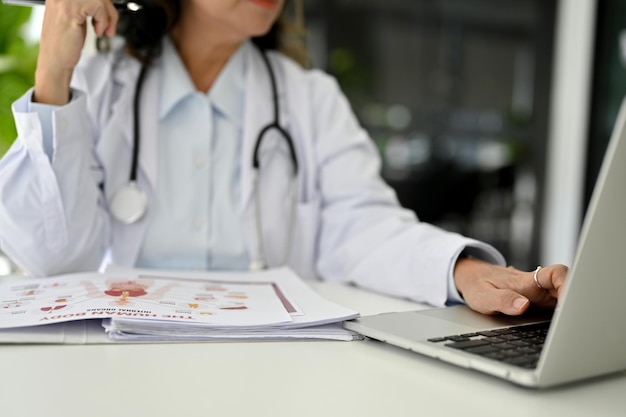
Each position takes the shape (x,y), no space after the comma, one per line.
(244,157)
(63,36)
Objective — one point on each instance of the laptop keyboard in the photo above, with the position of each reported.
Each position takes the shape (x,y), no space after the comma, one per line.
(517,345)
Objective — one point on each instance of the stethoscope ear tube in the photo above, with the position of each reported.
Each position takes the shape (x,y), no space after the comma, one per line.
(275,124)
(137,123)
(130,203)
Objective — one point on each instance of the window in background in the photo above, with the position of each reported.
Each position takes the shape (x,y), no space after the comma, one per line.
(609,84)
(455,93)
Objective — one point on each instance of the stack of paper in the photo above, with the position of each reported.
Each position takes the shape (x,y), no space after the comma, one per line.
(135,305)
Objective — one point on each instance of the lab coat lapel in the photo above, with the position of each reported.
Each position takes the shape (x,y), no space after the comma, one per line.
(129,237)
(259,113)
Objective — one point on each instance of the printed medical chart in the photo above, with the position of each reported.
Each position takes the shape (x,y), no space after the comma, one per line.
(152,305)
(217,303)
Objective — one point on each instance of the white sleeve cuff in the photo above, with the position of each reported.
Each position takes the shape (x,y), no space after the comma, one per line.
(45,114)
(44,111)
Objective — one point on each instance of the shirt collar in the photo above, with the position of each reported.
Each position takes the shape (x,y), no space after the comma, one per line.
(175,83)
(226,94)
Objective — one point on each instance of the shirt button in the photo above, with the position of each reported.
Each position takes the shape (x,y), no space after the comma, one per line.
(200,160)
(198,224)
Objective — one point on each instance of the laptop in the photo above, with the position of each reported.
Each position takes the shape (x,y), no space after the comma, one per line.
(584,338)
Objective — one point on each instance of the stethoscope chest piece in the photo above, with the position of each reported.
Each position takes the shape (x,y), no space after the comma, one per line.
(129,203)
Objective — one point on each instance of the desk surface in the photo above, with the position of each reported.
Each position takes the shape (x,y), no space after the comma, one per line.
(365,378)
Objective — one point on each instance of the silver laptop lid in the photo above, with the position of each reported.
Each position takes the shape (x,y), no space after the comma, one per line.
(588,332)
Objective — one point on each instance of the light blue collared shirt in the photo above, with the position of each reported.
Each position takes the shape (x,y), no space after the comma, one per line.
(195,222)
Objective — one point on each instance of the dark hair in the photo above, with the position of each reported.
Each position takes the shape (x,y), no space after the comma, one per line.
(144,29)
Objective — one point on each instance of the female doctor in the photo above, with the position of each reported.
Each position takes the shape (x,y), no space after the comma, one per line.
(199,145)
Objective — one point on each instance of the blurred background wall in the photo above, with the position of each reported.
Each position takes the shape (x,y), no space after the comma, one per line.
(456,95)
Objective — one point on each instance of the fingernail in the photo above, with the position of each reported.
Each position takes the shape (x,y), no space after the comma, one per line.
(519,303)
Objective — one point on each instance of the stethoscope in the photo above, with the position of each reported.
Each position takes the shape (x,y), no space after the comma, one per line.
(130,203)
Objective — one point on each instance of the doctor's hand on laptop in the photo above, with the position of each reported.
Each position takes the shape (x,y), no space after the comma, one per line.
(491,289)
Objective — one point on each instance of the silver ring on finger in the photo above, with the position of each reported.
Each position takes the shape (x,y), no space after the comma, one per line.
(539,268)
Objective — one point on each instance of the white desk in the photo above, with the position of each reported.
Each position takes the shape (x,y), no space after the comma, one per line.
(276,379)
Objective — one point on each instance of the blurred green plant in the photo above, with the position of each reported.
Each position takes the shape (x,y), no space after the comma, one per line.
(17,66)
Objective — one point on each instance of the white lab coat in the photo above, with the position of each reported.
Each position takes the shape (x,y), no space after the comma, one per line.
(349,227)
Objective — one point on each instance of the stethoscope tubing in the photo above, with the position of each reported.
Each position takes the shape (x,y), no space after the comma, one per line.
(129,204)
(137,123)
(275,124)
